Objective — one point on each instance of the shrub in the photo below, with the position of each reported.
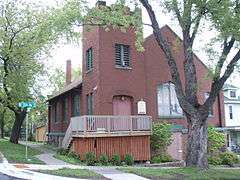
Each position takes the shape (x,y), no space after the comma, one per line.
(103,159)
(161,158)
(90,158)
(116,160)
(161,137)
(215,160)
(129,160)
(216,141)
(229,158)
(74,155)
(62,151)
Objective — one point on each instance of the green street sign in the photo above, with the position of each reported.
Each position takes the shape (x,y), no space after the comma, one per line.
(27,104)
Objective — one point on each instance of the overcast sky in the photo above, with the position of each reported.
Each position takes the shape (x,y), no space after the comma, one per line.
(69,51)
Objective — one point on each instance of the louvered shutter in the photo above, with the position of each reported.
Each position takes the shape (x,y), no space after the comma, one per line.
(89,59)
(126,55)
(118,55)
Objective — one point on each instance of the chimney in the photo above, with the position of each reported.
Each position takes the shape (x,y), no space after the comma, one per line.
(68,72)
(100,3)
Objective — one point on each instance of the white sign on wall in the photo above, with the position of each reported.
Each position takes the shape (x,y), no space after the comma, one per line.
(141,107)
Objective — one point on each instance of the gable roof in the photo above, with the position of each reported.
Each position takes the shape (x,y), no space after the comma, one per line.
(176,36)
(76,83)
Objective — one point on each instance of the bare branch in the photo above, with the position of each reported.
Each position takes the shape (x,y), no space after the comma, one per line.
(227,46)
(187,107)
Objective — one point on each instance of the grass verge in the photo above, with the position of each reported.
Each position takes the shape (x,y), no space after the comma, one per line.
(15,153)
(76,173)
(68,159)
(184,173)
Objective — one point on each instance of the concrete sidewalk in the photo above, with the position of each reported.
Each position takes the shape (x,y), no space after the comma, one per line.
(114,174)
(25,173)
(53,163)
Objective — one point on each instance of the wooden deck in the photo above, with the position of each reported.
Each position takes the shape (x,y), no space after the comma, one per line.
(137,146)
(110,135)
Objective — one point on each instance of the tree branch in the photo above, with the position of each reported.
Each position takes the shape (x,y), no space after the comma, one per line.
(187,107)
(218,84)
(227,46)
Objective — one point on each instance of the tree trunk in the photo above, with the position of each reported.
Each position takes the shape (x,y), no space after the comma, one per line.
(16,129)
(197,143)
(2,124)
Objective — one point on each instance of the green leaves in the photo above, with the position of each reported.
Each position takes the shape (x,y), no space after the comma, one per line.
(117,16)
(161,137)
(27,32)
(216,140)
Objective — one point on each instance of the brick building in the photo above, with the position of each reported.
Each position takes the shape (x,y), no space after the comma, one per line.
(118,82)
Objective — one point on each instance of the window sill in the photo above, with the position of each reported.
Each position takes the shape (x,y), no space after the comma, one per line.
(88,71)
(123,67)
(171,117)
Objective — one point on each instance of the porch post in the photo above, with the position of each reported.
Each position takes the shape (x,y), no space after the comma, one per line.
(108,125)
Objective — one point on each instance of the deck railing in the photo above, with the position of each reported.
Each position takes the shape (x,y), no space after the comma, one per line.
(111,123)
(106,124)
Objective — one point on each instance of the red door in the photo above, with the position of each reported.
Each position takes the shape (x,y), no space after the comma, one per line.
(122,106)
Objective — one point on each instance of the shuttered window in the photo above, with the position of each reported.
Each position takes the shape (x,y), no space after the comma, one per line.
(122,55)
(65,110)
(76,105)
(53,113)
(90,104)
(89,59)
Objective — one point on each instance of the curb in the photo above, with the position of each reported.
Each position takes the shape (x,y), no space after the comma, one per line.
(4,160)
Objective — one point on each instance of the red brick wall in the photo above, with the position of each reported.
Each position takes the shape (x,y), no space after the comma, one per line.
(148,70)
(157,72)
(115,81)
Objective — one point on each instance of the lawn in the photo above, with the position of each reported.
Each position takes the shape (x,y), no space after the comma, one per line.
(15,153)
(76,173)
(184,173)
(68,159)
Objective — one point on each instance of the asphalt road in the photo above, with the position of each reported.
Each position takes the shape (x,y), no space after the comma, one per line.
(5,177)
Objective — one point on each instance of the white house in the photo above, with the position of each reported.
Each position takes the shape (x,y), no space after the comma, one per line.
(232,116)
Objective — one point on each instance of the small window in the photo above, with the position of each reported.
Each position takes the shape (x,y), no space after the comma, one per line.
(233,94)
(211,108)
(76,105)
(65,110)
(58,111)
(168,105)
(122,55)
(230,112)
(89,59)
(90,104)
(53,113)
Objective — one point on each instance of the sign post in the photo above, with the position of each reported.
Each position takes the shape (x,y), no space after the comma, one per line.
(28,106)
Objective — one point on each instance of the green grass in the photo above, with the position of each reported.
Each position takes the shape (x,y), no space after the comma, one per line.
(185,173)
(68,159)
(76,173)
(15,153)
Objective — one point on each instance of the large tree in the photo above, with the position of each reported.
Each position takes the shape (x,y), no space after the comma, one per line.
(223,16)
(27,31)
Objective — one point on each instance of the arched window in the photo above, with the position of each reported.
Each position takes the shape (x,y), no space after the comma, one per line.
(168,105)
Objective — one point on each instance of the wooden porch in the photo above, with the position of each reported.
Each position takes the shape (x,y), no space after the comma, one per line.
(110,135)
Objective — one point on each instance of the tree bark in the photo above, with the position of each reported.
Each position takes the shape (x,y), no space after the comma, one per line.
(197,143)
(16,129)
(2,124)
